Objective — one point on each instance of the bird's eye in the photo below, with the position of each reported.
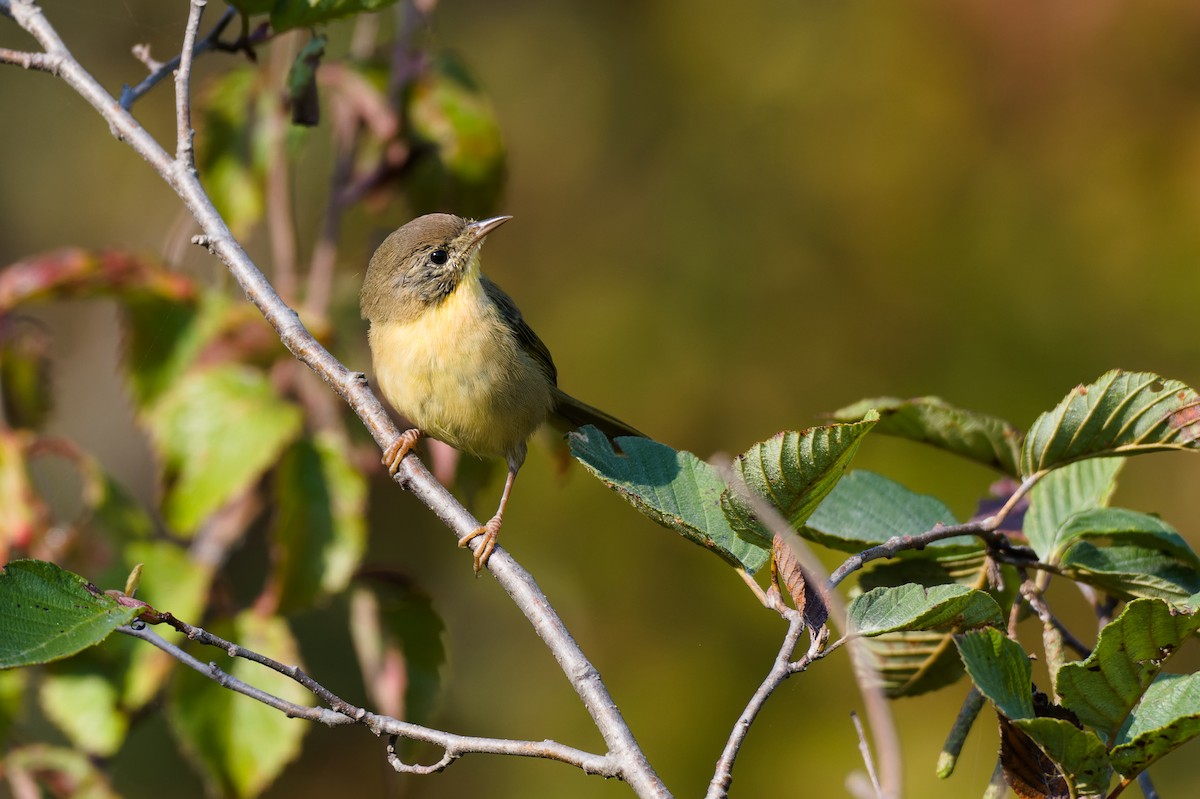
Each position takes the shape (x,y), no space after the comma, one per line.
(439,257)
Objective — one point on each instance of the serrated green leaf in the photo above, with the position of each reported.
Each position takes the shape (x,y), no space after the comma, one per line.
(289,14)
(915,607)
(171,582)
(976,436)
(865,509)
(239,744)
(1000,670)
(916,663)
(1079,754)
(319,525)
(1122,413)
(83,703)
(217,430)
(398,638)
(1128,570)
(1167,717)
(1059,496)
(1124,526)
(48,613)
(793,471)
(1105,687)
(60,771)
(672,487)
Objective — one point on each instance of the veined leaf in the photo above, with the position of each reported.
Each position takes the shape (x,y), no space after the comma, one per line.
(1128,569)
(1167,717)
(672,487)
(1059,496)
(1000,670)
(48,613)
(1104,688)
(793,471)
(865,509)
(1122,413)
(914,607)
(931,420)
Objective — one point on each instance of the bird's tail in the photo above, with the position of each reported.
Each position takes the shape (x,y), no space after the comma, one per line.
(570,414)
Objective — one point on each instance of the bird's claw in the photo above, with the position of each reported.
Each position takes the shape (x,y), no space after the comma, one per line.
(490,532)
(396,452)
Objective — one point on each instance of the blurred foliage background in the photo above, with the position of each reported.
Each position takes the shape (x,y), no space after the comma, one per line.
(728,222)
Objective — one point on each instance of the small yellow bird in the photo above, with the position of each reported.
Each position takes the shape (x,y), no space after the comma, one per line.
(453,355)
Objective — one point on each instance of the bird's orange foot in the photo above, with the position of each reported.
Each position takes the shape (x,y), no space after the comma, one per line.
(396,452)
(490,533)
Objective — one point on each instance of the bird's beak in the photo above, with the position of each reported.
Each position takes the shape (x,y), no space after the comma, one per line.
(485,226)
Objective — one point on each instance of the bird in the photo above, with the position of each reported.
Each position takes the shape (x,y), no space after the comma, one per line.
(452,354)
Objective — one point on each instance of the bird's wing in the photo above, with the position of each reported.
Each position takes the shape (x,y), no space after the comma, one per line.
(528,340)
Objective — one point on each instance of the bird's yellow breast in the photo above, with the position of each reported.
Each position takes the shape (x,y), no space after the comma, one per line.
(457,372)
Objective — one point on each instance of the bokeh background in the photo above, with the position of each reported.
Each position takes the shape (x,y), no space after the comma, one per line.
(729,221)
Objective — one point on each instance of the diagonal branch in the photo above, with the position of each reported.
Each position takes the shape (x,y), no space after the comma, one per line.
(634,768)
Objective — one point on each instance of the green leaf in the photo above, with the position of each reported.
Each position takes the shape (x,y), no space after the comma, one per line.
(1119,414)
(1123,526)
(239,744)
(59,771)
(218,430)
(1000,670)
(47,613)
(320,521)
(171,582)
(672,487)
(793,471)
(1128,570)
(865,509)
(914,607)
(83,703)
(1060,495)
(398,639)
(1167,717)
(288,14)
(975,436)
(1079,754)
(1105,687)
(912,663)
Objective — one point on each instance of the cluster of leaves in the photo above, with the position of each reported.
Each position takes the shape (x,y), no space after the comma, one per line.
(187,351)
(942,605)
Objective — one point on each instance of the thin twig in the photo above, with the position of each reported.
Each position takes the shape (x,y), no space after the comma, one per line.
(722,777)
(883,726)
(211,41)
(453,745)
(36,61)
(633,767)
(982,528)
(185,153)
